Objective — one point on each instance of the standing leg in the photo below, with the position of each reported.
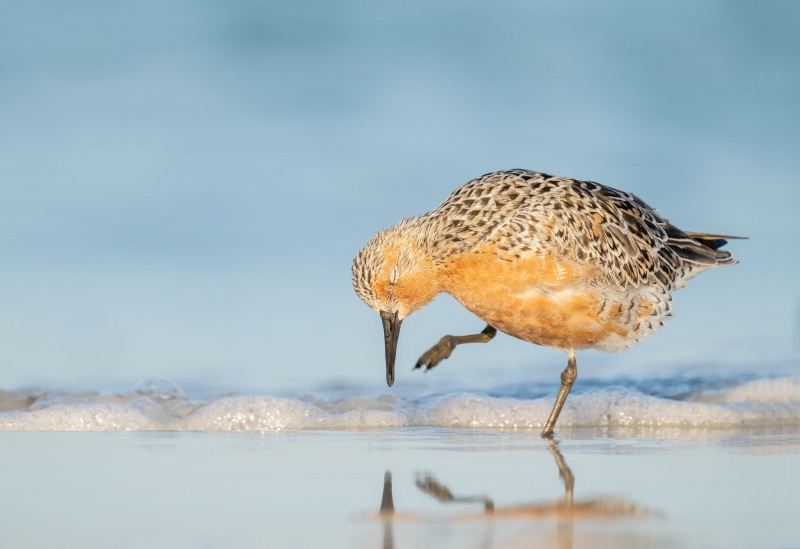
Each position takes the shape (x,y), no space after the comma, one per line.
(568,377)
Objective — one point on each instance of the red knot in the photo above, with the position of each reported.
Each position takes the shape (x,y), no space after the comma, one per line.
(560,262)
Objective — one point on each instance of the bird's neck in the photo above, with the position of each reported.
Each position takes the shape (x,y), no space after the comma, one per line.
(419,281)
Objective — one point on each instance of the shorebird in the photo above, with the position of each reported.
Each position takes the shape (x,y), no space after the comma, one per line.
(555,261)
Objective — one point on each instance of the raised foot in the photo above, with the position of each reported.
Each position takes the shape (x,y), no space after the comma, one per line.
(436,354)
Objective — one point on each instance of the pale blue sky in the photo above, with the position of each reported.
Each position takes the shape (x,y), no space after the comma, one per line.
(183,184)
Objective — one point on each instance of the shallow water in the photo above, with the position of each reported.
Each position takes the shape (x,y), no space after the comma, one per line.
(700,461)
(325,489)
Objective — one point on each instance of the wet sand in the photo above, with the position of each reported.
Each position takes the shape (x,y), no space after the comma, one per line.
(410,487)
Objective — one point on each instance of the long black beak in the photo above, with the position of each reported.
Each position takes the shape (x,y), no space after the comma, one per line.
(391,331)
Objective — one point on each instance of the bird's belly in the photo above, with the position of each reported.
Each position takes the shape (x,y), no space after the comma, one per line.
(561,309)
(564,319)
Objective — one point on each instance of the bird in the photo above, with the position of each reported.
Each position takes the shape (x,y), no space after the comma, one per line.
(555,261)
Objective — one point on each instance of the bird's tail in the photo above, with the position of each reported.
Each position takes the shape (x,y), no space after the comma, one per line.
(713,241)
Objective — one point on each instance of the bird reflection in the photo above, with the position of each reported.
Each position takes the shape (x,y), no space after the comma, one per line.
(566,510)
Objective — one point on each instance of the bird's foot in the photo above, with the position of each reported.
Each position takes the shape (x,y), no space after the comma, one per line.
(436,354)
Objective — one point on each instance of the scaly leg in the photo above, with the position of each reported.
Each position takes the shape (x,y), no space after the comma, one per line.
(442,350)
(568,377)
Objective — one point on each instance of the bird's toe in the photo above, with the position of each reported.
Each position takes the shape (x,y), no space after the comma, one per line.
(436,354)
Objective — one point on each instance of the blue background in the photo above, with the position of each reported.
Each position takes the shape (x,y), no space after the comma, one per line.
(184,184)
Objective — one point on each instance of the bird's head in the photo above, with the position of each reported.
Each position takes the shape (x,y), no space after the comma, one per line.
(394,276)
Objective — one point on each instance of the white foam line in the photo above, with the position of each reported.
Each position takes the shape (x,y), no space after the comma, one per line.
(758,403)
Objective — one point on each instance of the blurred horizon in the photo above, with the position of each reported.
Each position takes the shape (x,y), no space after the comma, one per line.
(183,185)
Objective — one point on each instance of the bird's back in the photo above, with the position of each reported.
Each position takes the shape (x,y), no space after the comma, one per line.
(581,221)
(527,224)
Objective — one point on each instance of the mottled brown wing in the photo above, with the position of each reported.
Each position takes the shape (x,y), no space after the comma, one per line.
(523,212)
(630,241)
(474,213)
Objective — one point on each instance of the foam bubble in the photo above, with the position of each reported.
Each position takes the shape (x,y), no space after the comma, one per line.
(756,403)
(140,415)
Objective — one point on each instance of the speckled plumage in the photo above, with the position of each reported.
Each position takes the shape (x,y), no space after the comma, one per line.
(632,255)
(555,261)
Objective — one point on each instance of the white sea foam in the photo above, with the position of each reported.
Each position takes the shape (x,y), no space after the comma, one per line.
(160,406)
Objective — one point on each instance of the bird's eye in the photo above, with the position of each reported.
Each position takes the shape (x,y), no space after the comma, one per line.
(394,276)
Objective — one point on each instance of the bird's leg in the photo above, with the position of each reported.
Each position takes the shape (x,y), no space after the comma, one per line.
(568,377)
(442,350)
